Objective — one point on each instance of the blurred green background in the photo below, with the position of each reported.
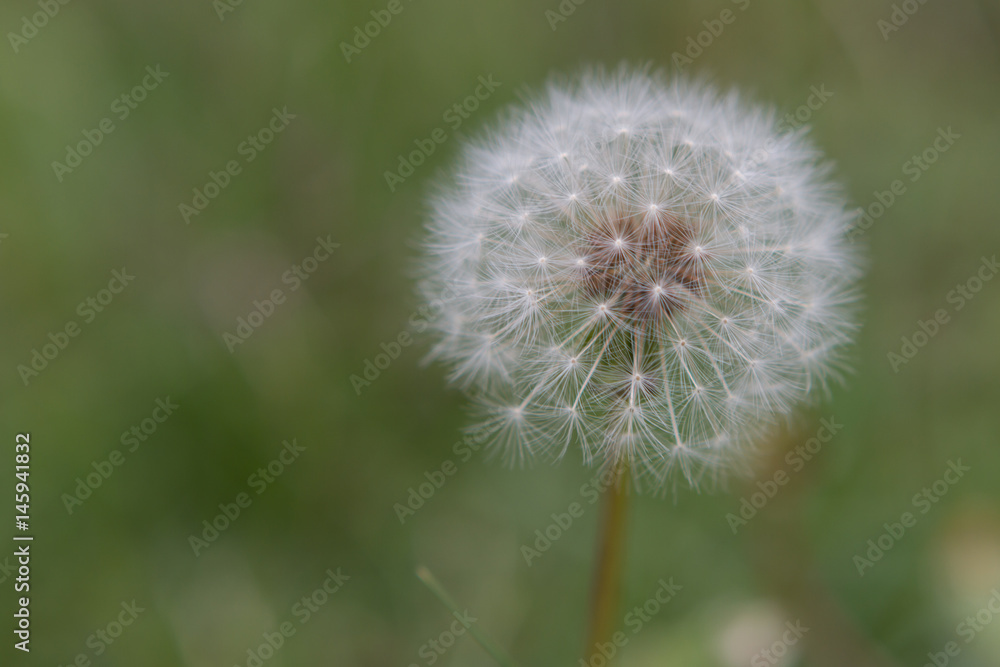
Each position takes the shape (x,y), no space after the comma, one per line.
(333,506)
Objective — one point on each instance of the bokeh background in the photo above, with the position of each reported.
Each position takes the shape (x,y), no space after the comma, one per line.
(229,66)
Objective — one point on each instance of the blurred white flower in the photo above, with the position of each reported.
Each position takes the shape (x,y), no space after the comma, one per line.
(647,270)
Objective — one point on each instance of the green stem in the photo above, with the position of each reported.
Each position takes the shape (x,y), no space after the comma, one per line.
(438,590)
(606,592)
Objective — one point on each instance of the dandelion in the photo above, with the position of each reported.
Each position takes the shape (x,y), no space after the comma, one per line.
(649,271)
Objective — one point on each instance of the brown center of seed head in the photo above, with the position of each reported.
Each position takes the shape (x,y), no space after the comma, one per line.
(643,267)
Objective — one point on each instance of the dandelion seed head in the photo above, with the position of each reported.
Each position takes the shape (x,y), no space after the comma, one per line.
(618,269)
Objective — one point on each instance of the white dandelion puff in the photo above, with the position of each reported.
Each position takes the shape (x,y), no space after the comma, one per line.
(647,271)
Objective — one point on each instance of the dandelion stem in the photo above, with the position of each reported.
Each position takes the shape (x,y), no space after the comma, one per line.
(606,592)
(441,594)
